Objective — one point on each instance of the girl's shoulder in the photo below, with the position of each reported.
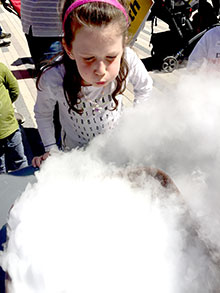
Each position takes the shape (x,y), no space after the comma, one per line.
(129,52)
(131,57)
(53,75)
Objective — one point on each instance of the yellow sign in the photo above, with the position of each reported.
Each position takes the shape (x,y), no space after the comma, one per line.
(138,12)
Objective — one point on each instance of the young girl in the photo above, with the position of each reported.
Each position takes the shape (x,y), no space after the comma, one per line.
(89,78)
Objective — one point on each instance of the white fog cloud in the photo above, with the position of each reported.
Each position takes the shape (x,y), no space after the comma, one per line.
(83,227)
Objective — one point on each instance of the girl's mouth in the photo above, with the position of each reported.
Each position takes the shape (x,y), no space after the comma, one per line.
(100,82)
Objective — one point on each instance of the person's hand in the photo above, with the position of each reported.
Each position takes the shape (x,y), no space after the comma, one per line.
(36,161)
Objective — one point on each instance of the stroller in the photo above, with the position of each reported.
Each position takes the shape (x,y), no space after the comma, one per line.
(13,6)
(187,23)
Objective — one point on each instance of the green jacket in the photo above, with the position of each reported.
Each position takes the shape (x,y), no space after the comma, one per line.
(9,92)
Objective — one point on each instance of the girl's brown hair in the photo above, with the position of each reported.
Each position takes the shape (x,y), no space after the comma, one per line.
(90,14)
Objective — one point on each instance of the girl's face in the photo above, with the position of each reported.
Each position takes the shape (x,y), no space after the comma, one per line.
(97,52)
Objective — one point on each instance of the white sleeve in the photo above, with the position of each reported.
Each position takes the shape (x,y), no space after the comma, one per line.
(44,110)
(198,55)
(139,77)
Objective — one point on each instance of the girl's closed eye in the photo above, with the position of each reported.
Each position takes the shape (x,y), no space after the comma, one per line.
(111,58)
(89,59)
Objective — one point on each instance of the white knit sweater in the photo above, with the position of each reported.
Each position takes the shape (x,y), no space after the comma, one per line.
(97,103)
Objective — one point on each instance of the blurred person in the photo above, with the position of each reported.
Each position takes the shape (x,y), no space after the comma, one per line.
(42,27)
(11,146)
(207,51)
(3,36)
(216,6)
(3,238)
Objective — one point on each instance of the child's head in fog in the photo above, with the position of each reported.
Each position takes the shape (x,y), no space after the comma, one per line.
(95,35)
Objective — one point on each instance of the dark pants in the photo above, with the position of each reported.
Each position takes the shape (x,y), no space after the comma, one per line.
(42,48)
(12,155)
(2,273)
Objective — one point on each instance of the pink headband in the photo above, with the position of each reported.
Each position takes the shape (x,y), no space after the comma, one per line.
(77,3)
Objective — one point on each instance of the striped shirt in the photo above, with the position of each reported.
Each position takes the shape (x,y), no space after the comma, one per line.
(42,16)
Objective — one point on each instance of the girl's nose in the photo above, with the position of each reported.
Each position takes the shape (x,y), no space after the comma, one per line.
(100,68)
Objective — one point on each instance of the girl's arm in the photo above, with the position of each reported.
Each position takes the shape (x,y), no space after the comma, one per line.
(139,77)
(47,96)
(44,112)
